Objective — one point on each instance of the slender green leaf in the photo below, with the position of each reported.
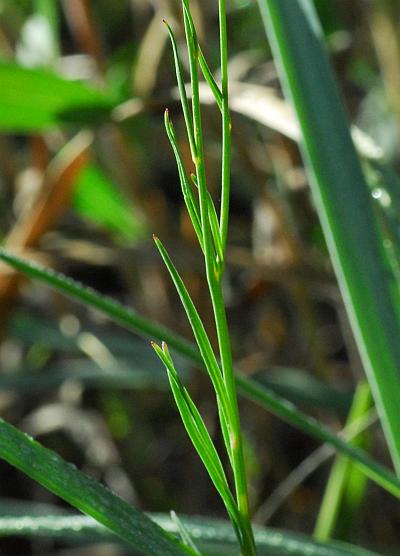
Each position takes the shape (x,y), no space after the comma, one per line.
(87,374)
(342,200)
(215,231)
(198,432)
(184,533)
(199,332)
(182,93)
(92,498)
(210,79)
(211,536)
(204,344)
(213,220)
(33,100)
(188,196)
(115,310)
(252,390)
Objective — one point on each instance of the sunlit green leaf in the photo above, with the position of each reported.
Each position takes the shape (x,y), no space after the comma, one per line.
(33,100)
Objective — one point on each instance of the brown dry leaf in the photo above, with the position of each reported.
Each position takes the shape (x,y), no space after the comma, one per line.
(52,202)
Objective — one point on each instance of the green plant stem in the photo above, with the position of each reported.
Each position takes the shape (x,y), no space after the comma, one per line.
(214,269)
(226,126)
(234,419)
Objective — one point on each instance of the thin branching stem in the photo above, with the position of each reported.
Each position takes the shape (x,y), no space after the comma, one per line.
(214,256)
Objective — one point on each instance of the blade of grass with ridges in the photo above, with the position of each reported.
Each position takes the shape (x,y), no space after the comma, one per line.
(85,494)
(205,533)
(249,388)
(342,201)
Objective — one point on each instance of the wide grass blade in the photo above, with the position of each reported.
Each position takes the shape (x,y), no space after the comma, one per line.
(87,495)
(342,200)
(210,536)
(33,100)
(249,388)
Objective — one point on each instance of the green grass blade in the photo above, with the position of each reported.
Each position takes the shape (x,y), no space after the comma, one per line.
(188,196)
(289,413)
(252,390)
(198,432)
(92,498)
(193,49)
(199,332)
(215,231)
(210,79)
(342,200)
(210,536)
(184,533)
(214,223)
(106,305)
(182,92)
(341,470)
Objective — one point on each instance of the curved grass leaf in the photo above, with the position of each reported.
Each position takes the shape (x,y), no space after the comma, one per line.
(182,92)
(188,196)
(33,100)
(210,536)
(247,387)
(342,200)
(89,496)
(199,332)
(198,433)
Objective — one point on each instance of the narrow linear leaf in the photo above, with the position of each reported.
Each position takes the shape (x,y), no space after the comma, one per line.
(249,388)
(215,231)
(213,220)
(188,196)
(110,307)
(198,432)
(206,533)
(197,326)
(342,200)
(210,79)
(92,498)
(184,533)
(182,92)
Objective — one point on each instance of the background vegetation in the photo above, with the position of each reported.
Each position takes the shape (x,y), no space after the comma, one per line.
(87,176)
